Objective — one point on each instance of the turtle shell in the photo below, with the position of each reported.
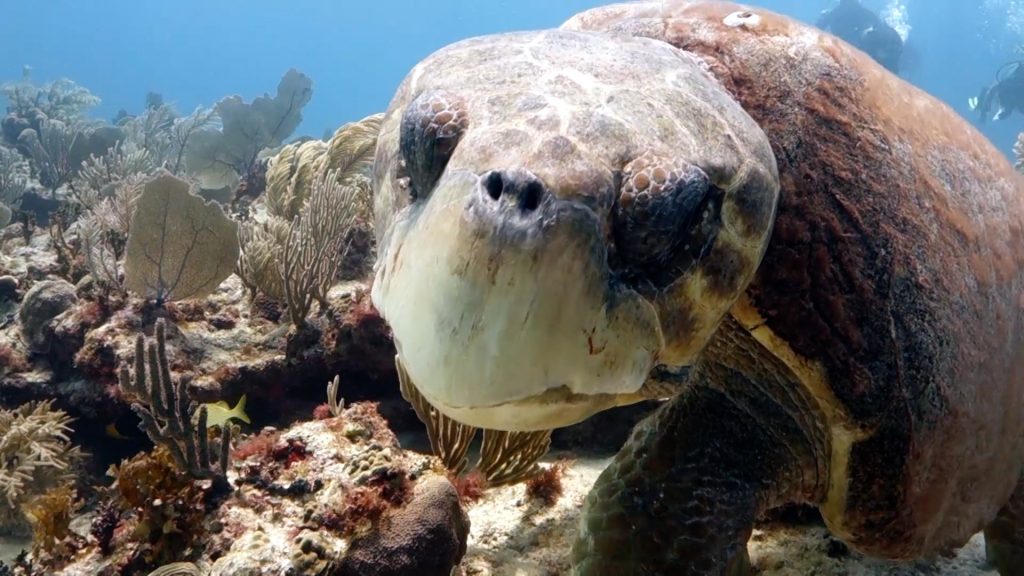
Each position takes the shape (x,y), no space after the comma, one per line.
(893,283)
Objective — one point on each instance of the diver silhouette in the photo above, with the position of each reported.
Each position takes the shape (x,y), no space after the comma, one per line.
(863,28)
(1006,94)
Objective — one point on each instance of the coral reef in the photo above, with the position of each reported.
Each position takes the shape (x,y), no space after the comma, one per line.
(321,497)
(119,333)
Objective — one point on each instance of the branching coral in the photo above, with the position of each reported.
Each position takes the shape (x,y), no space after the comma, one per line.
(99,175)
(104,229)
(50,148)
(349,152)
(167,412)
(333,403)
(14,173)
(35,455)
(258,266)
(61,99)
(290,175)
(315,244)
(337,173)
(165,136)
(298,261)
(151,131)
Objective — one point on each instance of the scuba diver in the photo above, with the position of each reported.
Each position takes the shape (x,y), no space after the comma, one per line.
(1006,94)
(863,28)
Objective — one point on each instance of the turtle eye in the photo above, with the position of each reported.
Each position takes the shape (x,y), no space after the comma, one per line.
(432,126)
(667,215)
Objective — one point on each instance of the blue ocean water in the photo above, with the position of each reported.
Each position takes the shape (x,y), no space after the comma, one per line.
(194,52)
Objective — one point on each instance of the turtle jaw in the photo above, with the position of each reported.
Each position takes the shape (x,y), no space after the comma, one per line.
(506,318)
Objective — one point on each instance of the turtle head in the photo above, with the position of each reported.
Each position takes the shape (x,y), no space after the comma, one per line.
(557,214)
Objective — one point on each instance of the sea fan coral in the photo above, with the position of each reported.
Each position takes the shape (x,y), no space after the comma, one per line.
(35,455)
(179,246)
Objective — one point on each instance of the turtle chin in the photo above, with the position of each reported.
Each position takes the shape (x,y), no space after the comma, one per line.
(502,307)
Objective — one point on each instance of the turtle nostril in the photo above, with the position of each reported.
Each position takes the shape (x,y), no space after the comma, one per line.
(516,188)
(531,196)
(494,184)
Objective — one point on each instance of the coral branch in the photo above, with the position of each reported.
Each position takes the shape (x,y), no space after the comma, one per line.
(166,412)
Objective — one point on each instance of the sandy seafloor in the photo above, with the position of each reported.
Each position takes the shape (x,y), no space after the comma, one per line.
(511,537)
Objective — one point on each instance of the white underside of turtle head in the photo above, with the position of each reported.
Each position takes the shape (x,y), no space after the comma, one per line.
(486,332)
(546,204)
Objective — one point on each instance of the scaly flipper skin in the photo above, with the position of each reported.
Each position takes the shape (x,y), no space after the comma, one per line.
(672,503)
(1004,537)
(682,495)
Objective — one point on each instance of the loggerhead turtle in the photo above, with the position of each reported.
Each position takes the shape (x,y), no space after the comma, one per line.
(821,264)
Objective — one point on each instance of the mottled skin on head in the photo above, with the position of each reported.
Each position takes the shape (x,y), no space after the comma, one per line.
(872,365)
(556,222)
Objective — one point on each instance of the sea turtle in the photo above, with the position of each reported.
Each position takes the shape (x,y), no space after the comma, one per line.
(820,263)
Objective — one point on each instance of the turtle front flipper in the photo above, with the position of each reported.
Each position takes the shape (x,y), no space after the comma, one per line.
(1004,537)
(682,495)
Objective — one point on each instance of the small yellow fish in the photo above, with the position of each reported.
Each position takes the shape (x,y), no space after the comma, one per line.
(218,413)
(114,433)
